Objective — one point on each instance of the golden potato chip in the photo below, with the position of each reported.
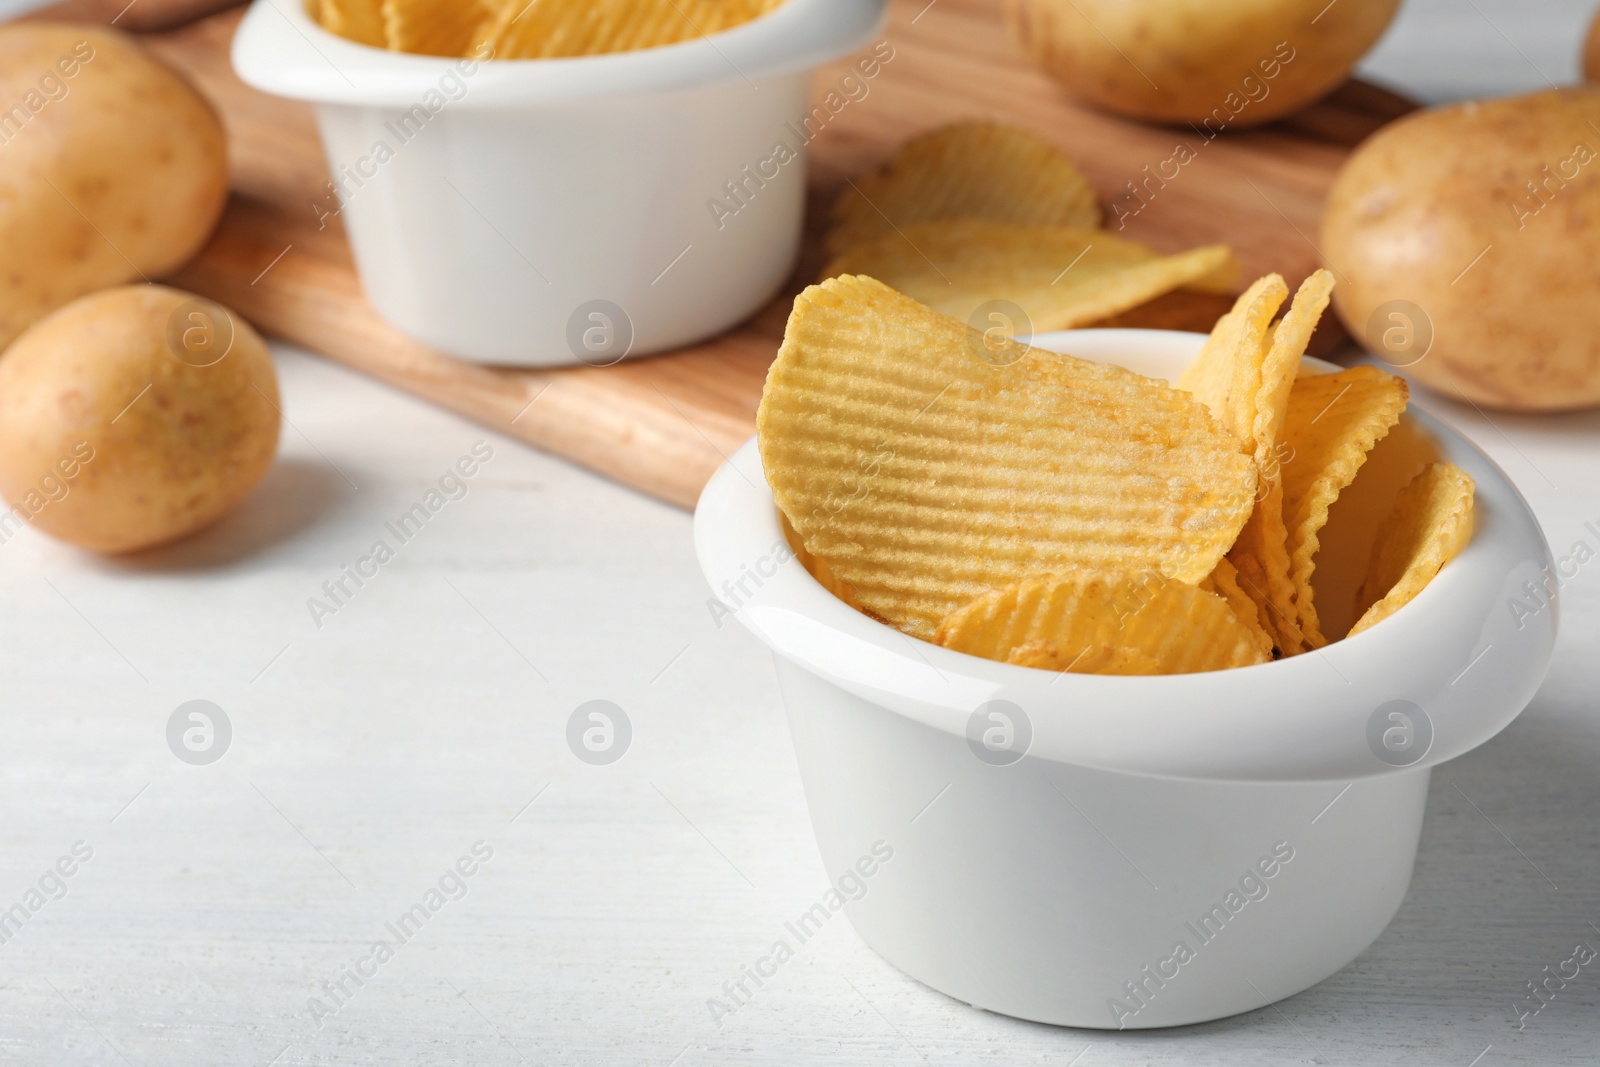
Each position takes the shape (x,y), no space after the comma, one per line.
(1333,422)
(926,467)
(1263,548)
(1060,618)
(969,170)
(1246,383)
(434,27)
(1061,278)
(1262,554)
(815,567)
(360,21)
(541,29)
(1231,377)
(546,29)
(1048,656)
(629,26)
(1224,581)
(1243,380)
(1431,523)
(1226,375)
(1261,562)
(1290,339)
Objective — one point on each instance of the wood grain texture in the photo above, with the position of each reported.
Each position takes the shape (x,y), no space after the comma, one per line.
(664,423)
(135,16)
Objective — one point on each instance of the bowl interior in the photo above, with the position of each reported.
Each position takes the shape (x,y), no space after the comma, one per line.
(1305,717)
(280,49)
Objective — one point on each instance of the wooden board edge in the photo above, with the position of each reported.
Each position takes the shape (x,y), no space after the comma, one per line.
(140,16)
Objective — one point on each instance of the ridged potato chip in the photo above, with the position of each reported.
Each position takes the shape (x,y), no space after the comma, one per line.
(1333,422)
(1261,561)
(927,468)
(1059,619)
(815,567)
(434,27)
(1226,375)
(968,170)
(1061,278)
(1281,367)
(1229,377)
(1224,581)
(1431,523)
(1048,656)
(360,21)
(1263,547)
(547,29)
(1262,554)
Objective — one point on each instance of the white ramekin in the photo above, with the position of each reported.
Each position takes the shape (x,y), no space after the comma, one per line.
(556,211)
(1058,887)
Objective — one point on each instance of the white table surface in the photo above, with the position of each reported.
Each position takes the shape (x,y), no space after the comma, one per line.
(429,713)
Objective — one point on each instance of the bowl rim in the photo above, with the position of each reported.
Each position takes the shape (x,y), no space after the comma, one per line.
(1302,718)
(281,50)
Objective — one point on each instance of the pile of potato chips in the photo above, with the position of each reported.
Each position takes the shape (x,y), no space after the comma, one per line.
(1043,510)
(978,213)
(530,29)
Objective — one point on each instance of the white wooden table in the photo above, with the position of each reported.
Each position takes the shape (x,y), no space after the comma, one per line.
(222,904)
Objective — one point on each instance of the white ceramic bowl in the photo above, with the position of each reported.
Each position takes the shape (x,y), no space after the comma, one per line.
(1145,814)
(547,212)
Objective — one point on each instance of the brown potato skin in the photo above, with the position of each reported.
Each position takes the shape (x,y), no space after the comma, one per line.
(163,465)
(1177,61)
(1425,196)
(121,178)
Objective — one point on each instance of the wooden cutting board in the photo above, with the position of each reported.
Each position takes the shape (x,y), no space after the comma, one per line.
(664,423)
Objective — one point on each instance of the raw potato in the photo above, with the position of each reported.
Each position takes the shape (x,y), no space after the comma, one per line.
(111,168)
(1239,63)
(110,440)
(1481,222)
